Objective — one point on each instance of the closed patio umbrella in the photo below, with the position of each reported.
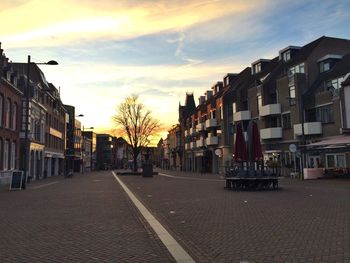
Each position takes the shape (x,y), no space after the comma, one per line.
(240,150)
(254,149)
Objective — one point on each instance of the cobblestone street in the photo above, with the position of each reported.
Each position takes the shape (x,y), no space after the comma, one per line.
(89,218)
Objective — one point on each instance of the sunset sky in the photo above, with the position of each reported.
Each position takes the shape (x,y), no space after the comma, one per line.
(109,49)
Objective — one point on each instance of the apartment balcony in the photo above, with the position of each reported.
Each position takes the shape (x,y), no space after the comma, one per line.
(200,127)
(200,143)
(310,128)
(187,146)
(270,109)
(192,131)
(210,123)
(212,140)
(242,115)
(193,145)
(271,133)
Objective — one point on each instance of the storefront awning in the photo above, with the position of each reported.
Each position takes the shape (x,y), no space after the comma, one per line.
(335,143)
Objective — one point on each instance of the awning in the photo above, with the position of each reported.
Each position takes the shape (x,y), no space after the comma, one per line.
(335,141)
(340,143)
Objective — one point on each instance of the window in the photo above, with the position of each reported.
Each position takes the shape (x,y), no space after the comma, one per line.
(1,109)
(286,55)
(259,102)
(333,85)
(335,160)
(6,155)
(7,113)
(13,156)
(286,122)
(234,107)
(324,114)
(297,69)
(257,68)
(324,66)
(292,95)
(14,117)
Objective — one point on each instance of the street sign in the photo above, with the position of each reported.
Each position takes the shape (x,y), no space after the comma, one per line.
(292,148)
(218,152)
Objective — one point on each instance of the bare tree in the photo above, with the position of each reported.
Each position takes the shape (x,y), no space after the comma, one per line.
(136,124)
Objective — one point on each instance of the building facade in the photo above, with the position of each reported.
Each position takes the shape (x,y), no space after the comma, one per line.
(297,100)
(10,114)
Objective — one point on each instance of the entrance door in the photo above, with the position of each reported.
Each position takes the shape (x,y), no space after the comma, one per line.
(314,161)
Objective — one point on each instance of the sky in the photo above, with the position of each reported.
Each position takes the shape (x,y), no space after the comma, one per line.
(109,49)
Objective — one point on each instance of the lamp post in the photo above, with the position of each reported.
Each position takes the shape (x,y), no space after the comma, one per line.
(26,131)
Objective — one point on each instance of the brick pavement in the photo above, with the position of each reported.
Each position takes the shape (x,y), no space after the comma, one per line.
(87,218)
(305,221)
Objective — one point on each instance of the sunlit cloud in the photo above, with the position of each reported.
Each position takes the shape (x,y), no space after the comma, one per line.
(57,22)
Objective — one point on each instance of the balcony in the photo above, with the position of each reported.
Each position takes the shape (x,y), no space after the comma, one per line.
(270,109)
(241,115)
(193,145)
(200,143)
(212,140)
(271,133)
(210,123)
(310,128)
(200,127)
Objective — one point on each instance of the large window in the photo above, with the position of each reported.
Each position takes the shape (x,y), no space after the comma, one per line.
(286,122)
(333,85)
(297,69)
(13,156)
(335,160)
(14,117)
(7,112)
(292,95)
(257,68)
(1,109)
(324,114)
(259,102)
(6,155)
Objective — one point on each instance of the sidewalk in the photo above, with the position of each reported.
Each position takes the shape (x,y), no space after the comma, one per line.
(86,218)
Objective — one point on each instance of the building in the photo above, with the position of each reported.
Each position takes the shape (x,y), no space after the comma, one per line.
(90,150)
(104,147)
(74,153)
(297,100)
(10,116)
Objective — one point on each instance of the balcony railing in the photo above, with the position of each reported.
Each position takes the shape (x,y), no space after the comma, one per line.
(241,115)
(310,128)
(270,109)
(212,140)
(210,123)
(271,133)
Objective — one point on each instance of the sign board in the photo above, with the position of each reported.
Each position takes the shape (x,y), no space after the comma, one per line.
(16,180)
(292,148)
(218,152)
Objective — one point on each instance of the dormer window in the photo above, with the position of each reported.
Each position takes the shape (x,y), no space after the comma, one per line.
(226,81)
(327,62)
(325,66)
(286,55)
(257,68)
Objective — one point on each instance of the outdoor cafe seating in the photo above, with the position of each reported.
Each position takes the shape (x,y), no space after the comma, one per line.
(249,172)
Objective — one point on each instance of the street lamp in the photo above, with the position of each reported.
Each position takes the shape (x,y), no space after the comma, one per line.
(26,139)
